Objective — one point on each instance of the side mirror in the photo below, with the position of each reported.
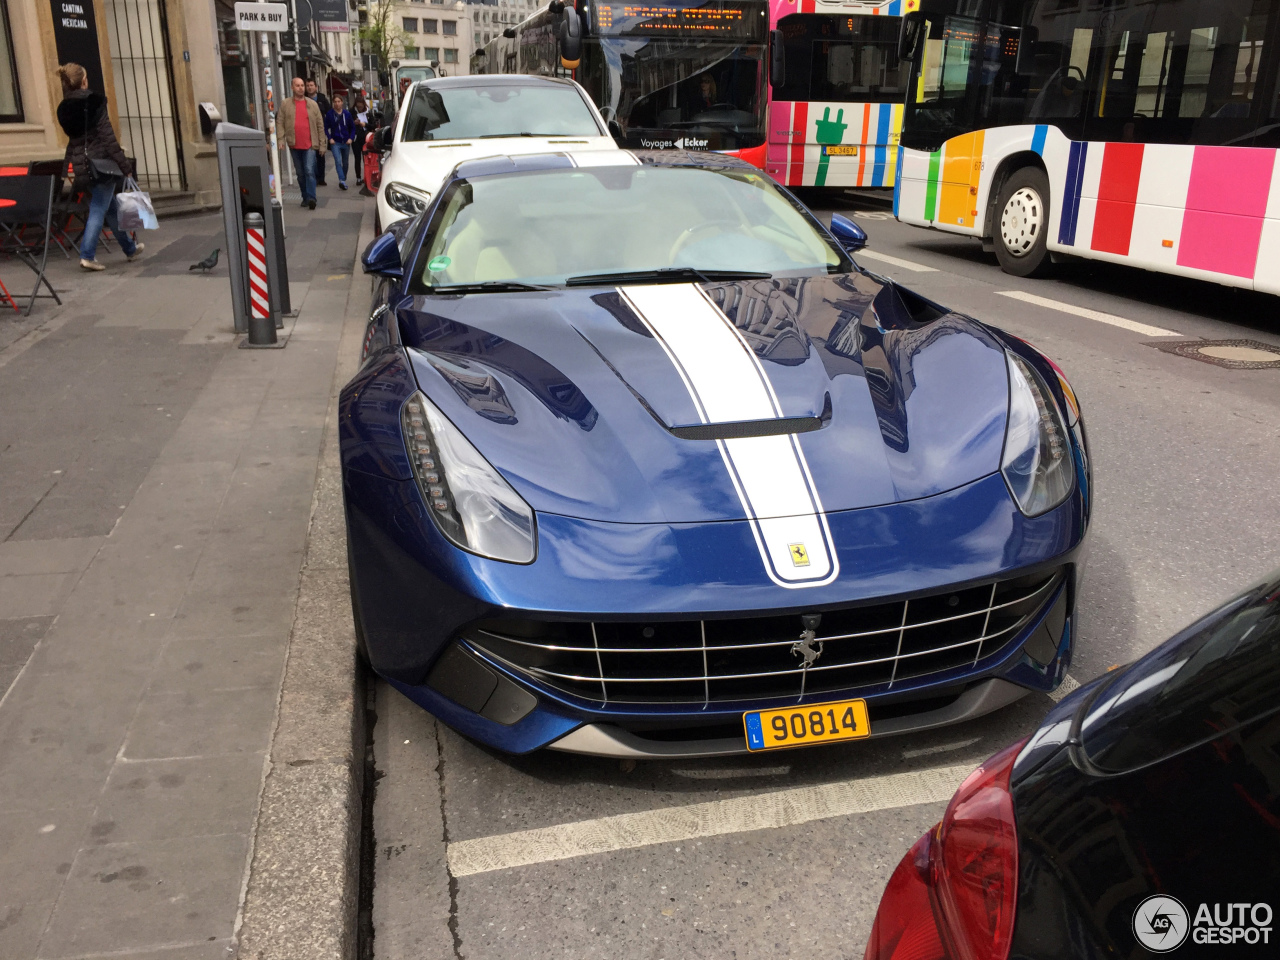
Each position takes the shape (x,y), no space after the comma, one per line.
(911,37)
(777,60)
(382,256)
(388,138)
(847,233)
(570,40)
(615,131)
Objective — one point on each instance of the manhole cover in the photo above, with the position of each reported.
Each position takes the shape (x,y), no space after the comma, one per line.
(1233,354)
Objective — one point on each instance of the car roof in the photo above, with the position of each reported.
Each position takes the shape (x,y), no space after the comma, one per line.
(501,165)
(495,80)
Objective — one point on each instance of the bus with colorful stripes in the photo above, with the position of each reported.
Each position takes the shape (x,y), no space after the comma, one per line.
(1142,132)
(837,88)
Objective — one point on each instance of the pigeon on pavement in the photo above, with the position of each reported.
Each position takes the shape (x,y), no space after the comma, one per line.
(208,263)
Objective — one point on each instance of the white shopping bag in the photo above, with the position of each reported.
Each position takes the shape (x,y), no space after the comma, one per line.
(134,210)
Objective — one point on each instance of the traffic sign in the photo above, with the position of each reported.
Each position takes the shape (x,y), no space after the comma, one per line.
(273,17)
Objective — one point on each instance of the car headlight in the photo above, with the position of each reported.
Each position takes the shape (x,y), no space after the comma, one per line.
(469,501)
(1037,462)
(407,199)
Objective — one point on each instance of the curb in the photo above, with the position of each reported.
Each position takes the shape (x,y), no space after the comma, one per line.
(301,893)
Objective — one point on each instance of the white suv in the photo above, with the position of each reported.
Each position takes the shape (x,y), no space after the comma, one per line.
(447,120)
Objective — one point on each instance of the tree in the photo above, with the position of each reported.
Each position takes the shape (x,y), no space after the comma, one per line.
(379,34)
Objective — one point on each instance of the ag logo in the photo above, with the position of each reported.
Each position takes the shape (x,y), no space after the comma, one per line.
(1161,923)
(799,555)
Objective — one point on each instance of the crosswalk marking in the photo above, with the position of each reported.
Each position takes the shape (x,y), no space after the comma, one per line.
(764,811)
(1109,318)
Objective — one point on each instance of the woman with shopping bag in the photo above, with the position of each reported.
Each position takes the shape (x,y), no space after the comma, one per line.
(98,163)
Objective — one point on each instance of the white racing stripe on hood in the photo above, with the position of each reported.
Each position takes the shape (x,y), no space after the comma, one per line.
(727,383)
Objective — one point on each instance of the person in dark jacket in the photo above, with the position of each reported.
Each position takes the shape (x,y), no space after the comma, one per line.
(316,94)
(84,119)
(362,117)
(340,129)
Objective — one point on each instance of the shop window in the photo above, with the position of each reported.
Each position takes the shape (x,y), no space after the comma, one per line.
(10,95)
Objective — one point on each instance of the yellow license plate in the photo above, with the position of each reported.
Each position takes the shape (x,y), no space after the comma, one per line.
(840,150)
(799,726)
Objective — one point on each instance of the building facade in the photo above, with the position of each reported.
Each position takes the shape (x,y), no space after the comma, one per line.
(436,30)
(156,61)
(491,17)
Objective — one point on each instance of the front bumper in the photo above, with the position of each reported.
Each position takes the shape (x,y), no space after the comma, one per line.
(418,596)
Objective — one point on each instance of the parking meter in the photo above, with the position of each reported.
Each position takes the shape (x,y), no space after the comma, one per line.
(243,171)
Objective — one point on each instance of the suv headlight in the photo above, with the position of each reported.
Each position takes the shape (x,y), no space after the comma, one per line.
(407,199)
(1037,462)
(469,501)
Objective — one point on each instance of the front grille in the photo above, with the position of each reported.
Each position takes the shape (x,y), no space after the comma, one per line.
(751,658)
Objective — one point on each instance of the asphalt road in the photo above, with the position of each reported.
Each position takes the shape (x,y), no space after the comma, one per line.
(1186,460)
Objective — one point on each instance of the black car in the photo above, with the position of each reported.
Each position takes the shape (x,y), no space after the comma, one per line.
(1142,817)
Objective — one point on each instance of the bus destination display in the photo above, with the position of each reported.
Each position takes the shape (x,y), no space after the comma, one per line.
(673,19)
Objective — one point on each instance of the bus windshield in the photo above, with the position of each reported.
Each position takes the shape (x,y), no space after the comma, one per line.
(1147,71)
(684,74)
(841,59)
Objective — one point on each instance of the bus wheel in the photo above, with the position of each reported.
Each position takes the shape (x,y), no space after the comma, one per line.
(1022,223)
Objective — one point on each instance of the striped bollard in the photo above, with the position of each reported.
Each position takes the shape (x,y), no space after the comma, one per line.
(262,328)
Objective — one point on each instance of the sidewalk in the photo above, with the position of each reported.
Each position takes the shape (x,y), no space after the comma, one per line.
(156,492)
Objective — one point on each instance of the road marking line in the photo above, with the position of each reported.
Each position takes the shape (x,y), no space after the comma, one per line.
(1068,685)
(941,748)
(904,264)
(765,811)
(1110,318)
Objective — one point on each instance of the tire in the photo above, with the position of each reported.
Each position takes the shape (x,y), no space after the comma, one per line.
(1021,223)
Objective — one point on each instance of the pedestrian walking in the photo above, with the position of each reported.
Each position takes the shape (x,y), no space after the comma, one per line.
(98,163)
(340,129)
(316,94)
(360,112)
(303,127)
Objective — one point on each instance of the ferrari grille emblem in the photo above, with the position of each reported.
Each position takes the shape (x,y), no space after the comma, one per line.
(799,555)
(808,647)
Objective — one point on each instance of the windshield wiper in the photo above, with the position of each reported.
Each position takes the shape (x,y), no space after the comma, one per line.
(488,286)
(664,273)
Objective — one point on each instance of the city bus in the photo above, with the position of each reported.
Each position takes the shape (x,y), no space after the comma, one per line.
(837,88)
(1142,132)
(682,74)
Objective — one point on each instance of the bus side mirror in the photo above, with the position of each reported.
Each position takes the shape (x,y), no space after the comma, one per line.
(911,37)
(848,234)
(777,60)
(570,39)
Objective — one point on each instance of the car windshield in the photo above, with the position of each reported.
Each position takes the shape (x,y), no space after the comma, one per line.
(463,113)
(550,226)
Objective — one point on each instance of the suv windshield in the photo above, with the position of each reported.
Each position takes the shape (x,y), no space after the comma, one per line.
(463,113)
(548,226)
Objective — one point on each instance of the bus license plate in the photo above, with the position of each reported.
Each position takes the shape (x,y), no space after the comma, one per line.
(797,726)
(839,150)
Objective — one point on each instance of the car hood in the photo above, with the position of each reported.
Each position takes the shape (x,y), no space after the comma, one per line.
(425,164)
(590,411)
